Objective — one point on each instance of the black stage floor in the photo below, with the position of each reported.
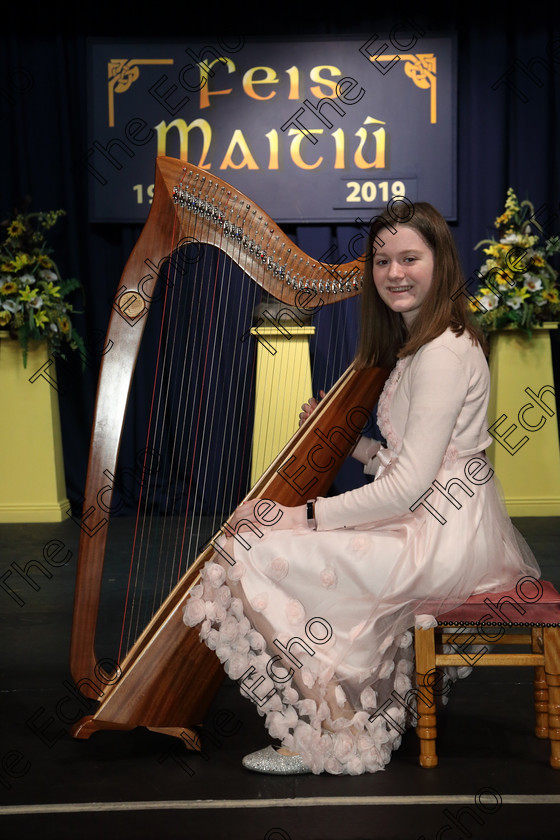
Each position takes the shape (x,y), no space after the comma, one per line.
(493,779)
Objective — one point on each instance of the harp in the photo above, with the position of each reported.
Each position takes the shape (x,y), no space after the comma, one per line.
(198,226)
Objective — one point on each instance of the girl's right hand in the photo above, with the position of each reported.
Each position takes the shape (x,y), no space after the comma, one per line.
(309,407)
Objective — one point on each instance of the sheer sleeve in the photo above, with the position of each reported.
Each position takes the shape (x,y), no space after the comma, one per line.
(438,390)
(365,450)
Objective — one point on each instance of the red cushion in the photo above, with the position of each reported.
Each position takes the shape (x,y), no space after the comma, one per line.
(531,602)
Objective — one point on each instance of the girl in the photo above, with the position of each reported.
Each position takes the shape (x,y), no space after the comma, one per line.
(314,619)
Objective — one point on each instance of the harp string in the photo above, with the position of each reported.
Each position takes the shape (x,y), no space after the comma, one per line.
(177,443)
(168,533)
(132,587)
(200,422)
(171,539)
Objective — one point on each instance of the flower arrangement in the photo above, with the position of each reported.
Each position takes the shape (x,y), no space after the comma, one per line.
(33,297)
(519,287)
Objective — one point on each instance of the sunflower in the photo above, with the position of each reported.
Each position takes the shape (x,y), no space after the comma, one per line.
(9,288)
(64,325)
(16,229)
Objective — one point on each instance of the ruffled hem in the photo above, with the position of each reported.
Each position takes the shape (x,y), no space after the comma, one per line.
(352,743)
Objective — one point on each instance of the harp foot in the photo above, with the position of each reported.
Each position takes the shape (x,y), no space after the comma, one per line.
(87,726)
(189,737)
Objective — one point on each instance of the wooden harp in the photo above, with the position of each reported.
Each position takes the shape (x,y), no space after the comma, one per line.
(167,677)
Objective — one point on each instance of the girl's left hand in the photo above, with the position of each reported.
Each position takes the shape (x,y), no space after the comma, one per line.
(309,407)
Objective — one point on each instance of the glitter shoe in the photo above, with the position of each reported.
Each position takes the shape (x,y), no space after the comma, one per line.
(271,761)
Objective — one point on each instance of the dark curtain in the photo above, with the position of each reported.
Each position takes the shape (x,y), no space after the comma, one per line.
(508,103)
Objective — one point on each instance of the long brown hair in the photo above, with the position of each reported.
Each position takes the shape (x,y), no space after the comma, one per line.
(384,337)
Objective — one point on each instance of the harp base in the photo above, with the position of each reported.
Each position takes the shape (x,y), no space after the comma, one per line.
(88,726)
(189,737)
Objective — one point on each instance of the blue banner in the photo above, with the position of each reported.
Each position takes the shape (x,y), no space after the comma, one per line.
(312,131)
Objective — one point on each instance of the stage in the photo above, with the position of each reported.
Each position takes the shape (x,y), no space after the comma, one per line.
(493,778)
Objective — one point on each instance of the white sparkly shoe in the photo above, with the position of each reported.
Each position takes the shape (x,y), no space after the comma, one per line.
(271,761)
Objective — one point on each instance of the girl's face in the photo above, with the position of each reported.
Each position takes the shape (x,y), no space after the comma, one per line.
(402,271)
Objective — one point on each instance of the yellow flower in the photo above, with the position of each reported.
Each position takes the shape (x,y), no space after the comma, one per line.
(44,261)
(21,261)
(537,260)
(64,324)
(552,296)
(502,220)
(511,199)
(9,288)
(40,318)
(496,250)
(52,290)
(4,318)
(15,229)
(28,294)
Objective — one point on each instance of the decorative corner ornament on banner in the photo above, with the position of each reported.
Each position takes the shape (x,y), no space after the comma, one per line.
(421,69)
(121,74)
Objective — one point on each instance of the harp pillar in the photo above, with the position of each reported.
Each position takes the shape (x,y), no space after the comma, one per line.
(283,379)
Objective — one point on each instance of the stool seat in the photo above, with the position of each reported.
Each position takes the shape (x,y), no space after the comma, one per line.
(529,605)
(533,604)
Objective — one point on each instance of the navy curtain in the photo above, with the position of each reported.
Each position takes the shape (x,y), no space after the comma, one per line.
(508,113)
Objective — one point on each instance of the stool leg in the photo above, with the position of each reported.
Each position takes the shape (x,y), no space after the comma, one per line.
(540,687)
(551,639)
(426,728)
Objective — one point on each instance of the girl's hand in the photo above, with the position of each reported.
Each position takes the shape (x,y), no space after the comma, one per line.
(262,515)
(309,407)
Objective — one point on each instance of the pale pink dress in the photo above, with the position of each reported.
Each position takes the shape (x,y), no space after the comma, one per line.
(428,532)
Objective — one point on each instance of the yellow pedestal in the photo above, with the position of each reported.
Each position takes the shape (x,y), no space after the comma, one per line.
(32,485)
(522,420)
(283,384)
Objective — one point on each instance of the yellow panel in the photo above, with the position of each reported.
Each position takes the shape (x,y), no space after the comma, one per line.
(525,453)
(32,485)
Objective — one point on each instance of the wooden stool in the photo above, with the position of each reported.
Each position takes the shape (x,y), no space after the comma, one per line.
(490,617)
